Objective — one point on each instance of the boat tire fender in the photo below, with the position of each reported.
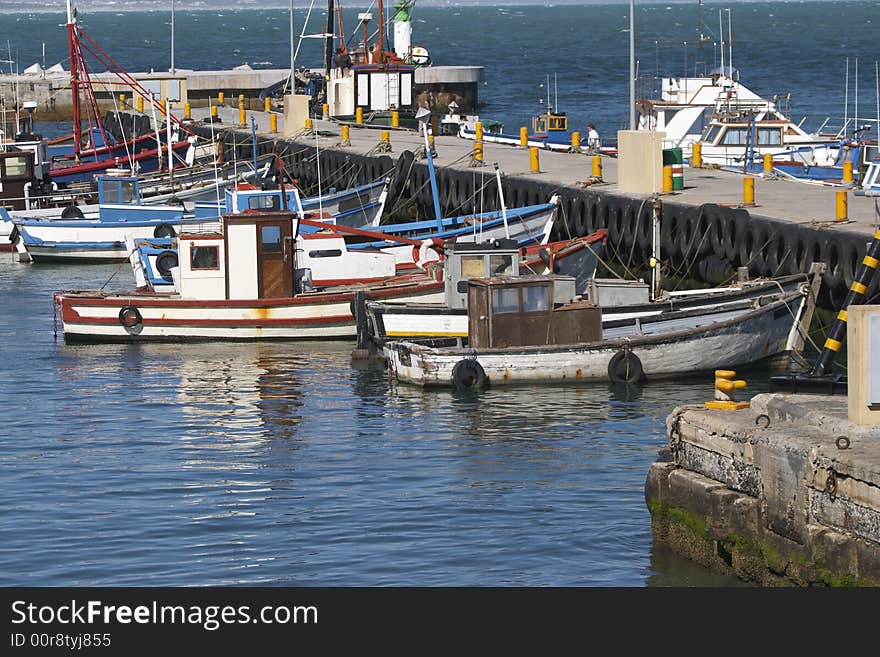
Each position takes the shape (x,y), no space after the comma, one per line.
(164,230)
(165,261)
(468,374)
(625,367)
(130,318)
(72,212)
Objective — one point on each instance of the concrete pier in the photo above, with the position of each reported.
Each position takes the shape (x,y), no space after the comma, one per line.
(786,492)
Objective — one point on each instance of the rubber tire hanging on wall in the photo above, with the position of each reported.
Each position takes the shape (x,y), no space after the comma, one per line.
(468,374)
(625,367)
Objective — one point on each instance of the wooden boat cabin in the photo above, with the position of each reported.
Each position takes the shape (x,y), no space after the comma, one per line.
(514,311)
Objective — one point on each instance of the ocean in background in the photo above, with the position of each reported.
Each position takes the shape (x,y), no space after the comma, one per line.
(280,463)
(779,48)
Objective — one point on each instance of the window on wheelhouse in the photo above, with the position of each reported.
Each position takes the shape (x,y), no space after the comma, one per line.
(270,236)
(501,265)
(735,136)
(264,202)
(769,137)
(505,300)
(710,134)
(204,257)
(535,298)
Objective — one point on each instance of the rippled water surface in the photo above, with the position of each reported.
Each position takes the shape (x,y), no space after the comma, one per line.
(281,464)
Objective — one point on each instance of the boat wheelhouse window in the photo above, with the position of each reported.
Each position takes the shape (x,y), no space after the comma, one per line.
(501,265)
(711,133)
(204,257)
(735,137)
(272,202)
(505,300)
(535,298)
(270,237)
(326,253)
(769,137)
(559,123)
(539,124)
(472,266)
(16,166)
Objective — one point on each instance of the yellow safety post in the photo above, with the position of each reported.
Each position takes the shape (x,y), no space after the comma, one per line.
(395,119)
(667,178)
(241,114)
(534,162)
(273,123)
(523,137)
(122,100)
(478,131)
(848,172)
(768,163)
(308,123)
(240,98)
(140,104)
(325,111)
(386,137)
(697,155)
(597,166)
(748,190)
(358,114)
(267,105)
(345,141)
(213,112)
(478,151)
(187,111)
(725,392)
(220,98)
(842,201)
(431,145)
(575,141)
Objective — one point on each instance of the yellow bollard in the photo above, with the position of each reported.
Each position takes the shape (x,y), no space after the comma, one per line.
(842,201)
(431,145)
(325,111)
(220,98)
(523,137)
(395,119)
(697,155)
(241,114)
(359,115)
(768,162)
(386,137)
(575,141)
(597,166)
(273,123)
(478,151)
(187,111)
(346,141)
(748,190)
(213,112)
(478,131)
(267,105)
(240,98)
(725,392)
(308,123)
(848,171)
(122,100)
(534,162)
(667,178)
(140,104)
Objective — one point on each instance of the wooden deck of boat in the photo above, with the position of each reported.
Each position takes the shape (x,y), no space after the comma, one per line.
(778,199)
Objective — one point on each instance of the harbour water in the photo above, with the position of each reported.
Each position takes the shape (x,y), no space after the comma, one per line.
(281,464)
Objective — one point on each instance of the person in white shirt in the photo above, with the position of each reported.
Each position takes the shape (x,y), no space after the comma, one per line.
(593,142)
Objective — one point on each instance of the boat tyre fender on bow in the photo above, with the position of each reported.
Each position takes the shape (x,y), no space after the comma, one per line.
(625,367)
(71,212)
(468,374)
(164,230)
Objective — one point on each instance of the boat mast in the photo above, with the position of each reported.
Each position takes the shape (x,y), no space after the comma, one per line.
(74,77)
(632,66)
(172,36)
(328,47)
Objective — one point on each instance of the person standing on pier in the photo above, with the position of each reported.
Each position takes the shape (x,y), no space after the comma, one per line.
(593,142)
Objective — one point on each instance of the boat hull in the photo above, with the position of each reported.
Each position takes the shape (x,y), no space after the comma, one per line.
(726,339)
(95,317)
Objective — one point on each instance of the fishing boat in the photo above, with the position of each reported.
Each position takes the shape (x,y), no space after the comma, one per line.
(93,149)
(242,283)
(519,334)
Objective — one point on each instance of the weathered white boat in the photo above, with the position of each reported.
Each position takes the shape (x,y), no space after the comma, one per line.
(518,335)
(241,284)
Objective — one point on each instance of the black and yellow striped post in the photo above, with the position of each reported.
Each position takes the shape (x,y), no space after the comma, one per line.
(856,295)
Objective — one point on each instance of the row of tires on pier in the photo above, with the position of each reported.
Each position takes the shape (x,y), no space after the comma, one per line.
(707,242)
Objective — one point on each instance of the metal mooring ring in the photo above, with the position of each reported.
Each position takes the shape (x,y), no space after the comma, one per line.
(842,442)
(766,420)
